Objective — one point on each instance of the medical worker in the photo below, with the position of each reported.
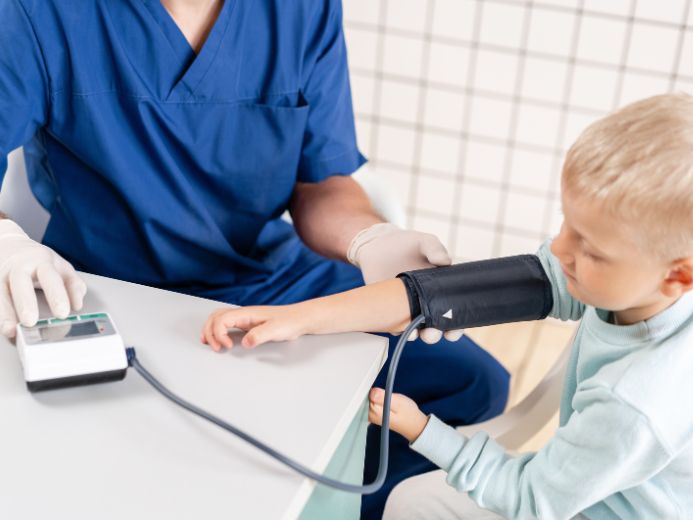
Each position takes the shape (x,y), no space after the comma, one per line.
(167,137)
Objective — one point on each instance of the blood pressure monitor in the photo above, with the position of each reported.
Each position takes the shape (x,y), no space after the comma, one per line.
(74,351)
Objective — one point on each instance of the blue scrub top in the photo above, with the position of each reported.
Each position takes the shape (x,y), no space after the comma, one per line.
(171,169)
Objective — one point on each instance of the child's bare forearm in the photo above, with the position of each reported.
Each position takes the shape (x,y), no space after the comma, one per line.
(379,307)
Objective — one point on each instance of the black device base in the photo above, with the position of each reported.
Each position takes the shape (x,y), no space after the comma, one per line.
(81,380)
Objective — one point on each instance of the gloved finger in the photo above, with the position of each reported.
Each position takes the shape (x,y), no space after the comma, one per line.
(76,288)
(54,290)
(434,250)
(24,297)
(431,335)
(414,335)
(8,316)
(453,335)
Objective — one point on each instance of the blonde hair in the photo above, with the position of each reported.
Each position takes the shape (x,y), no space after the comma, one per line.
(637,163)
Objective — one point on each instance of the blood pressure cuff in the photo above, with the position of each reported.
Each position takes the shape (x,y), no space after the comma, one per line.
(500,290)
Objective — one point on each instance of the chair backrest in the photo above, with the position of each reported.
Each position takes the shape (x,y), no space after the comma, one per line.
(384,199)
(523,421)
(17,201)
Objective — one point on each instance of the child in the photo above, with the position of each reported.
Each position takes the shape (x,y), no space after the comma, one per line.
(622,264)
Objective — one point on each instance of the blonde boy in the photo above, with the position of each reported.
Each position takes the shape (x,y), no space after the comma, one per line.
(622,265)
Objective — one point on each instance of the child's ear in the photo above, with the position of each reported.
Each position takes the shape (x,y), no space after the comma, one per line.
(679,279)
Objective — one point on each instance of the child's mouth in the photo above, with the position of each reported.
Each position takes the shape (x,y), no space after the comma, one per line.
(568,275)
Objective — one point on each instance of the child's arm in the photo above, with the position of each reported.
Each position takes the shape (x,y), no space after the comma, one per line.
(379,307)
(405,416)
(478,293)
(607,446)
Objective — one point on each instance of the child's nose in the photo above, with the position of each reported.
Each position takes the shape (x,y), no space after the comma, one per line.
(560,248)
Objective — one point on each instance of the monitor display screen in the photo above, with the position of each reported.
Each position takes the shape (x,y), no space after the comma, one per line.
(69,330)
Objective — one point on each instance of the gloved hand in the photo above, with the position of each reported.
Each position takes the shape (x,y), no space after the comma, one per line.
(382,251)
(26,265)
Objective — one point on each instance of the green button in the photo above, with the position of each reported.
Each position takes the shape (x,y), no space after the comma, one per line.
(98,315)
(58,320)
(41,323)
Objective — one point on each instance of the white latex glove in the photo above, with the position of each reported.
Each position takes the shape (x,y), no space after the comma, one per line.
(26,265)
(383,250)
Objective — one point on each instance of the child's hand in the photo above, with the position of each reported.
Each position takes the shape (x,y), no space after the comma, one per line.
(262,324)
(405,416)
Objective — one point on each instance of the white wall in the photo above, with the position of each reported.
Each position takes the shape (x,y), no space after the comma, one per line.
(466,107)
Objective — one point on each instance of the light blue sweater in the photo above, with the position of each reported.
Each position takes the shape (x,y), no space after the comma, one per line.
(624,448)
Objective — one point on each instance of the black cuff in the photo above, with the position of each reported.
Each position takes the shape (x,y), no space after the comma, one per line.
(412,295)
(500,290)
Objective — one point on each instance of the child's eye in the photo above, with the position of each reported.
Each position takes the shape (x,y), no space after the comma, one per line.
(587,253)
(592,257)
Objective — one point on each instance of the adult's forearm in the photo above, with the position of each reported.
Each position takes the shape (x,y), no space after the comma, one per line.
(379,307)
(327,215)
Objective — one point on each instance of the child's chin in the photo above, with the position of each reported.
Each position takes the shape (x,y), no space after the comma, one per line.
(585,300)
(575,293)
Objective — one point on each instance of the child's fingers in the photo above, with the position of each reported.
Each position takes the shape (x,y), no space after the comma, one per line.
(263,334)
(246,318)
(375,413)
(255,336)
(374,418)
(209,335)
(377,396)
(262,324)
(221,332)
(215,332)
(398,404)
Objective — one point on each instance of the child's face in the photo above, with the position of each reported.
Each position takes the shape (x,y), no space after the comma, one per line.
(603,266)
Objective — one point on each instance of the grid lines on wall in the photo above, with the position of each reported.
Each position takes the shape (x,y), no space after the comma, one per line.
(467,107)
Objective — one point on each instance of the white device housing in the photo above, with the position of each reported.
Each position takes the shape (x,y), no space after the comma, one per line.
(78,350)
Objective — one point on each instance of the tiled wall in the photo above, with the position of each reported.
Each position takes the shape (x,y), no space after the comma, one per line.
(466,107)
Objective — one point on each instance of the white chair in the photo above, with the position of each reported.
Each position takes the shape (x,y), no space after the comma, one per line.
(385,202)
(17,201)
(512,430)
(519,424)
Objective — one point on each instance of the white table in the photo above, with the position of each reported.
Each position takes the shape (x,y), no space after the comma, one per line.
(120,450)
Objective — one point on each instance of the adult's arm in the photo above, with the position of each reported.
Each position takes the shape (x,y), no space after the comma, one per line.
(24,106)
(328,214)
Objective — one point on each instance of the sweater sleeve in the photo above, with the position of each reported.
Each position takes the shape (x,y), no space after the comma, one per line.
(606,446)
(565,307)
